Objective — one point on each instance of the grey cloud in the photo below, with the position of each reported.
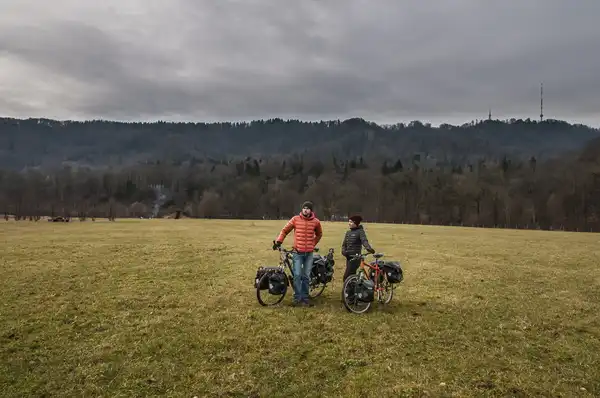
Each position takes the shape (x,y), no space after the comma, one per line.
(382,60)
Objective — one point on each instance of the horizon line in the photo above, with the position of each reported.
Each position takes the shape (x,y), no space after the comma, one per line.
(405,122)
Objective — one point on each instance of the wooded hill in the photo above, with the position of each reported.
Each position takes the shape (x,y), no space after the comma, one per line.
(47,143)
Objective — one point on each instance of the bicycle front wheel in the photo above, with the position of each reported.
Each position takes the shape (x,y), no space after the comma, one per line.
(351,301)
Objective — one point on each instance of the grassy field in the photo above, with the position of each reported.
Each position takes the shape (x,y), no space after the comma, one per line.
(167,308)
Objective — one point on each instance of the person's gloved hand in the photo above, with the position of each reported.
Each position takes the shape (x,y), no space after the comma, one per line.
(276,245)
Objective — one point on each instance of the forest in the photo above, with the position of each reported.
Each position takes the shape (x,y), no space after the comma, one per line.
(50,143)
(510,190)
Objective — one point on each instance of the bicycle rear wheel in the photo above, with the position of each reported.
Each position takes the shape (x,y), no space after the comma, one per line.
(315,288)
(388,292)
(278,298)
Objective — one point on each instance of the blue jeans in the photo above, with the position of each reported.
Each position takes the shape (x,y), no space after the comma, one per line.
(302,265)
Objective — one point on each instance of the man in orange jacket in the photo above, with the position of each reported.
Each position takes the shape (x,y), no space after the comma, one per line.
(307,234)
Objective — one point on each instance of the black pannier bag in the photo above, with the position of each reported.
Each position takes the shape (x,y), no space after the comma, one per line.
(365,290)
(322,269)
(317,266)
(393,271)
(277,283)
(328,275)
(265,282)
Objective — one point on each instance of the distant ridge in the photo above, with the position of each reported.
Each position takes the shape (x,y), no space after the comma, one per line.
(48,142)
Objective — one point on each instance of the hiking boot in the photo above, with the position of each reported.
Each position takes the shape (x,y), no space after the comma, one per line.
(307,303)
(296,303)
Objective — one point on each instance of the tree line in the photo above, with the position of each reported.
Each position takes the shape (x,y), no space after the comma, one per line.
(556,193)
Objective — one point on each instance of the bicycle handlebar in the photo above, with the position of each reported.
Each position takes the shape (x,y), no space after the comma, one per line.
(363,255)
(281,249)
(293,250)
(359,255)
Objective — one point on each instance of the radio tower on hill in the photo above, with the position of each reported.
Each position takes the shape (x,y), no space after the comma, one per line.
(541,102)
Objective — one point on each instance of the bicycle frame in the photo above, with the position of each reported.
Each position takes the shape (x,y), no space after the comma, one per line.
(376,274)
(285,259)
(367,268)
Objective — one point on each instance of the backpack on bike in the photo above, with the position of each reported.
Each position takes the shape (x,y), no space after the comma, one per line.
(393,271)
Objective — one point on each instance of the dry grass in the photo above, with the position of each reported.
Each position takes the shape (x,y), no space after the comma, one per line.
(164,307)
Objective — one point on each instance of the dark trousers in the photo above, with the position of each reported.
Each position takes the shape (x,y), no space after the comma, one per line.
(351,267)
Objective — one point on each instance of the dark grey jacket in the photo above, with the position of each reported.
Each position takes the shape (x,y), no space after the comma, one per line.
(354,239)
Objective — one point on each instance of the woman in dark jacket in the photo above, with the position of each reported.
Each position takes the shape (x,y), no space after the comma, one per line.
(354,240)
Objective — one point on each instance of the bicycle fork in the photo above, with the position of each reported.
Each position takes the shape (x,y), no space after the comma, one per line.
(380,296)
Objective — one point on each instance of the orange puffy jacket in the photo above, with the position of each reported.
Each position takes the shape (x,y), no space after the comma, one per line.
(307,232)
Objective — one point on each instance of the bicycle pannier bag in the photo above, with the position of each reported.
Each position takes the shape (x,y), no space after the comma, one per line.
(277,283)
(393,272)
(365,290)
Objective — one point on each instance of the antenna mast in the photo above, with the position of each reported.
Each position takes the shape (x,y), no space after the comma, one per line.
(541,102)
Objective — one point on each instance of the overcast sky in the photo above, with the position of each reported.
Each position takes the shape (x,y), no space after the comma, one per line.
(383,60)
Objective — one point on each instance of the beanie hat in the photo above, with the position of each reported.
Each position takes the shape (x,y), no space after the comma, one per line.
(356,219)
(308,204)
